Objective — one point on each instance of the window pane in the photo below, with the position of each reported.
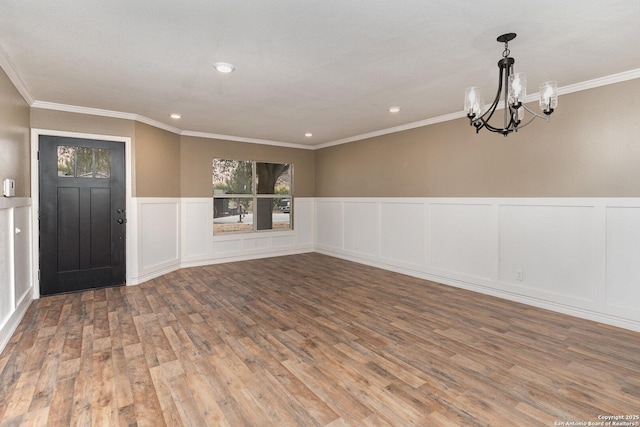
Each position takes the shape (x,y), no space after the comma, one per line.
(273,213)
(84,162)
(282,214)
(232,176)
(273,178)
(66,160)
(232,214)
(102,162)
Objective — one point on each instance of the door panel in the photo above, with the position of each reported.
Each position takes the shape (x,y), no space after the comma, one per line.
(82,216)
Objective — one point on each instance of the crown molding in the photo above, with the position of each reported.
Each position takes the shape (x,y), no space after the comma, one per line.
(82,110)
(412,125)
(601,81)
(248,140)
(10,69)
(142,119)
(103,113)
(577,87)
(15,79)
(157,124)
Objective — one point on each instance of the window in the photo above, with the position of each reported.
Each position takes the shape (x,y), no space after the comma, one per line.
(251,196)
(84,162)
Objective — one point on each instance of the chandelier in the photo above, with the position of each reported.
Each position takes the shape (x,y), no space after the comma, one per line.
(515,85)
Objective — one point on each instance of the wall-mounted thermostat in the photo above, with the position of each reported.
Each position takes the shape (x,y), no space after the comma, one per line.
(8,187)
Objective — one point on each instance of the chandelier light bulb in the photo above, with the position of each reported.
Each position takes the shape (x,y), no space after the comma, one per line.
(473,102)
(548,96)
(517,88)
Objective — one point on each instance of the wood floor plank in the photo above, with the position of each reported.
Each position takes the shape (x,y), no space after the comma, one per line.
(309,340)
(61,403)
(19,401)
(145,396)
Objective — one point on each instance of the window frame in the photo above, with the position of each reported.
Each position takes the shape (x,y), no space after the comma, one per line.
(255,196)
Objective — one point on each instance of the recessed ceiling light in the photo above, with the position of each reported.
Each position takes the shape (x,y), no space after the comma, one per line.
(394,109)
(308,134)
(224,67)
(175,116)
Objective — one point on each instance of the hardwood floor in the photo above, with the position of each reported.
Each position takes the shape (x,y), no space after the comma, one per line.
(309,340)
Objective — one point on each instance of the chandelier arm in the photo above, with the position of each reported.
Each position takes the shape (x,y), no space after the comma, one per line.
(507,108)
(534,116)
(484,118)
(546,118)
(497,130)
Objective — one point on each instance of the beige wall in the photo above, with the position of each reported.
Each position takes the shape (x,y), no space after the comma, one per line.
(155,152)
(14,137)
(169,165)
(157,162)
(591,148)
(82,123)
(197,155)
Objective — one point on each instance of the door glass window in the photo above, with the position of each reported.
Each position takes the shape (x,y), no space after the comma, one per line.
(66,160)
(102,163)
(84,162)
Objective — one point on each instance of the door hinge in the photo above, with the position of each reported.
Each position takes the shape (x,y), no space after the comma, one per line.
(38,275)
(38,155)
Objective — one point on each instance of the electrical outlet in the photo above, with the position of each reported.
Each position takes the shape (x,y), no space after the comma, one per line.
(519,275)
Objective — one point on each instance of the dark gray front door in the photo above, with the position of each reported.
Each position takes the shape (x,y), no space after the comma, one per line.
(82,214)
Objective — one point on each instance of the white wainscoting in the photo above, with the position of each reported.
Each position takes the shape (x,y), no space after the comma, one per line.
(16,284)
(577,256)
(201,247)
(158,236)
(174,233)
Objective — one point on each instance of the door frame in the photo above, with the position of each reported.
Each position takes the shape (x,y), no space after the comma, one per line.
(131,232)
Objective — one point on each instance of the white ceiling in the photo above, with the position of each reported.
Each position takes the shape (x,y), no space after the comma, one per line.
(330,67)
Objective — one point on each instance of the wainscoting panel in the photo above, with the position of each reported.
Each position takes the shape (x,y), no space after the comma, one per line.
(159,234)
(462,239)
(402,230)
(200,246)
(623,257)
(304,221)
(329,224)
(361,228)
(256,244)
(283,241)
(6,264)
(22,252)
(16,278)
(198,217)
(550,247)
(574,255)
(226,248)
